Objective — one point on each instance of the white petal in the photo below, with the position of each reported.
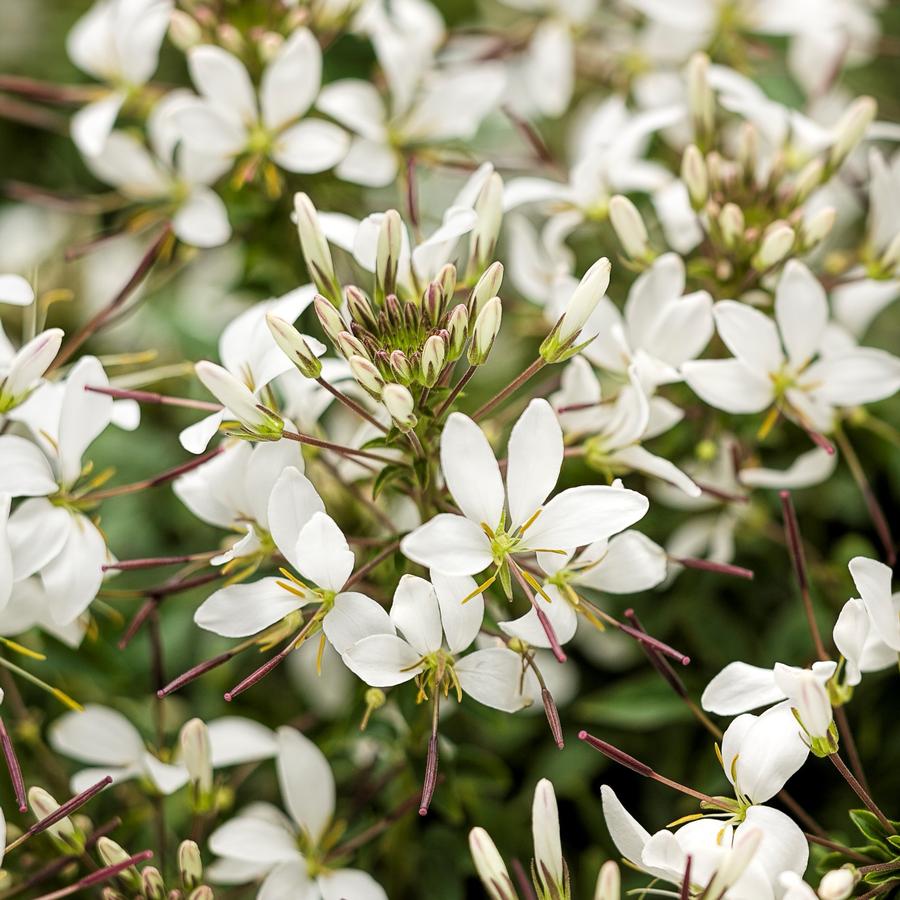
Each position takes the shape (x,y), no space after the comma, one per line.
(195,438)
(92,124)
(210,129)
(73,577)
(234,740)
(471,471)
(37,532)
(801,310)
(632,563)
(266,464)
(322,553)
(740,687)
(307,785)
(729,385)
(240,610)
(545,830)
(253,840)
(84,415)
(627,834)
(288,879)
(451,544)
(851,631)
(585,514)
(383,660)
(641,460)
(350,883)
(808,469)
(750,335)
(167,778)
(221,77)
(15,290)
(25,471)
(661,284)
(873,581)
(492,677)
(863,375)
(356,105)
(535,458)
(353,617)
(461,621)
(416,614)
(293,501)
(202,220)
(783,847)
(291,81)
(99,735)
(311,146)
(369,163)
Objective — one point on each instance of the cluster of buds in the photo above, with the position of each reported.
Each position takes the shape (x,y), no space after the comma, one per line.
(148,883)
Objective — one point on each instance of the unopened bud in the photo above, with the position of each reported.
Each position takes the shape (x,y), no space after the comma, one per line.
(196,754)
(349,345)
(693,174)
(609,882)
(851,129)
(731,224)
(434,353)
(400,404)
(329,318)
(748,147)
(775,246)
(44,804)
(485,331)
(818,227)
(735,861)
(152,884)
(375,699)
(269,45)
(294,346)
(489,209)
(239,401)
(838,884)
(701,102)
(190,864)
(548,858)
(890,259)
(808,179)
(360,309)
(113,854)
(401,367)
(366,373)
(458,326)
(27,367)
(204,892)
(590,291)
(447,280)
(184,30)
(629,227)
(231,38)
(486,287)
(490,866)
(315,250)
(387,256)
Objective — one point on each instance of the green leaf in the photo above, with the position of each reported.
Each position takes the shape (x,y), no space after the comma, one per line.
(638,704)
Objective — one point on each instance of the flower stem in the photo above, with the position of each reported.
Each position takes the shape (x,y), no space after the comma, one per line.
(337,448)
(455,392)
(350,403)
(152,397)
(514,385)
(861,792)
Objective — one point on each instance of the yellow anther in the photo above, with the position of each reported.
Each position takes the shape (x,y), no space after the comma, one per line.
(480,589)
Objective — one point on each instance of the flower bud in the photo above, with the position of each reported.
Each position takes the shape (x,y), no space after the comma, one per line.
(584,300)
(360,309)
(809,178)
(731,224)
(112,854)
(735,862)
(485,331)
(701,102)
(294,346)
(204,892)
(483,238)
(748,147)
(184,31)
(818,227)
(42,805)
(838,884)
(809,701)
(366,373)
(434,353)
(190,864)
(433,303)
(851,128)
(693,174)
(269,44)
(28,366)
(329,318)
(775,246)
(629,227)
(486,287)
(490,866)
(400,404)
(349,345)
(230,38)
(387,256)
(401,367)
(458,326)
(447,280)
(548,858)
(608,882)
(239,401)
(315,250)
(152,884)
(890,259)
(196,754)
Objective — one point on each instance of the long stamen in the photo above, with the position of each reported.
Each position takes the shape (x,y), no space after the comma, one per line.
(707,565)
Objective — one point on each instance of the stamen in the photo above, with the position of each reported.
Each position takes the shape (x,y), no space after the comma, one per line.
(480,589)
(319,653)
(523,528)
(768,424)
(99,876)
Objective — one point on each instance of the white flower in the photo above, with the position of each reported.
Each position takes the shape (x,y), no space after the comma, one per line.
(286,853)
(233,491)
(775,361)
(661,330)
(315,547)
(111,745)
(625,564)
(249,353)
(867,631)
(31,605)
(228,121)
(484,534)
(436,627)
(613,430)
(178,177)
(116,41)
(53,538)
(713,847)
(21,371)
(446,104)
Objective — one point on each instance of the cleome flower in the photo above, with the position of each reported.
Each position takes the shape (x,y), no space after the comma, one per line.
(498,525)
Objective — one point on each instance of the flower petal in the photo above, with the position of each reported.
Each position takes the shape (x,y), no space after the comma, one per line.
(293,501)
(416,614)
(740,687)
(451,544)
(222,78)
(353,617)
(627,834)
(383,660)
(291,80)
(311,146)
(631,563)
(345,883)
(25,471)
(202,220)
(307,785)
(873,581)
(240,610)
(863,375)
(750,335)
(234,740)
(461,621)
(801,310)
(322,553)
(728,384)
(99,736)
(254,840)
(492,677)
